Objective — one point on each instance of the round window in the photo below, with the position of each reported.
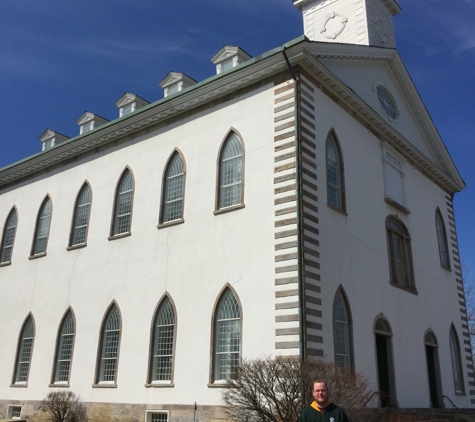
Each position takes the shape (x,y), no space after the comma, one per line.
(387,103)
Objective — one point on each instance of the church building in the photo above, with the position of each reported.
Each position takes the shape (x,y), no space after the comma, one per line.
(297,203)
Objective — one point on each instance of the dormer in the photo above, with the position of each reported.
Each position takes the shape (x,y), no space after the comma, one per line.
(129,102)
(363,22)
(175,82)
(50,139)
(89,121)
(229,56)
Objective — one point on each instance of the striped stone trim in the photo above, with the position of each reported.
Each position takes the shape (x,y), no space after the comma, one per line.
(453,242)
(287,331)
(310,222)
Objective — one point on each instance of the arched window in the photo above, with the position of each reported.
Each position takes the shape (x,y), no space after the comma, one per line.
(64,349)
(400,255)
(227,336)
(335,175)
(81,217)
(456,361)
(163,342)
(230,172)
(109,347)
(123,204)
(8,237)
(40,241)
(442,240)
(24,352)
(173,187)
(342,338)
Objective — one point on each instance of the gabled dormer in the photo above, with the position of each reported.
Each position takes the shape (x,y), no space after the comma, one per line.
(50,138)
(175,82)
(129,102)
(90,121)
(363,22)
(228,57)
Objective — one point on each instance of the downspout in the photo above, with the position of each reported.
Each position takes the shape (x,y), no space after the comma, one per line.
(299,196)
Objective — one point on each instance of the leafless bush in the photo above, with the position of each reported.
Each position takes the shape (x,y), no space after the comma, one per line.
(64,406)
(277,389)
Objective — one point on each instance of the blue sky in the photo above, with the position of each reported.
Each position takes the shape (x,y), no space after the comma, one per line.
(60,58)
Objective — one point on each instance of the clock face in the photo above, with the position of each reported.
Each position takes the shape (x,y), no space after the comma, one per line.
(387,103)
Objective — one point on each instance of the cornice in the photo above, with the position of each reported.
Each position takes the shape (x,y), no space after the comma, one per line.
(392,5)
(450,180)
(203,92)
(299,52)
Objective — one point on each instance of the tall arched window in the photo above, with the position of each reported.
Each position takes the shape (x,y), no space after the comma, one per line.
(123,204)
(81,216)
(456,361)
(64,349)
(227,336)
(8,237)
(342,338)
(40,241)
(335,175)
(173,187)
(442,240)
(231,172)
(24,351)
(109,347)
(400,255)
(163,342)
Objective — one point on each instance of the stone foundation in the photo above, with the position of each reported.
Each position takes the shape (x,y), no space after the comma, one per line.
(123,412)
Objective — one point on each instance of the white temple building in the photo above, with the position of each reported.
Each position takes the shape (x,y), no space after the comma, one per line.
(298,203)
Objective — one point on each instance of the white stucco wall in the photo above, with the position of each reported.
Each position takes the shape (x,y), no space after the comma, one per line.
(354,254)
(192,261)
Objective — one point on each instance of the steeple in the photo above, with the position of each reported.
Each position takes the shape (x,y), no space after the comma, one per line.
(363,22)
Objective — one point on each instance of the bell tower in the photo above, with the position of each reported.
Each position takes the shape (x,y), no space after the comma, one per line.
(363,22)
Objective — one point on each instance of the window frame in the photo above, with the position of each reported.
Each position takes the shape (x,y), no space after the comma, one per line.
(150,412)
(214,381)
(20,348)
(442,243)
(457,363)
(341,294)
(164,190)
(407,263)
(98,381)
(332,139)
(34,255)
(59,337)
(4,237)
(72,245)
(115,215)
(218,208)
(153,338)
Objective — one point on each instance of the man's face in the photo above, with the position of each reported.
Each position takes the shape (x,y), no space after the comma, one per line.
(320,393)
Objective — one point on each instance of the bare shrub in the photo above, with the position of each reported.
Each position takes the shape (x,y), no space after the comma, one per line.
(64,406)
(277,389)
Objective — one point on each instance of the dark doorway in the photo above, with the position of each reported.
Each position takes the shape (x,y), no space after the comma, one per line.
(431,368)
(433,371)
(382,353)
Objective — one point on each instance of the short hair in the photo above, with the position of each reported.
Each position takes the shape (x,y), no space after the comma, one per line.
(320,381)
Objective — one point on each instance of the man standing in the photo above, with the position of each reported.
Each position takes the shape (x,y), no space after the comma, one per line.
(322,409)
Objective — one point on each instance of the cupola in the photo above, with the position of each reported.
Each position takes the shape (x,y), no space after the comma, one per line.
(129,102)
(228,57)
(175,82)
(90,121)
(50,139)
(363,22)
